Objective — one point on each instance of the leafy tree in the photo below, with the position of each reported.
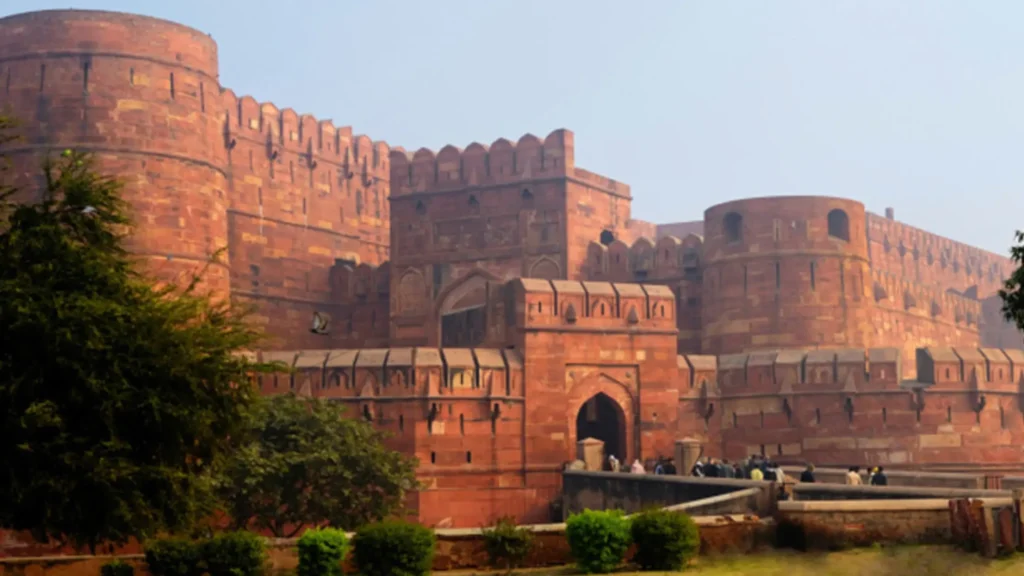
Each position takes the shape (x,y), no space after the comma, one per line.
(1012,293)
(303,464)
(116,396)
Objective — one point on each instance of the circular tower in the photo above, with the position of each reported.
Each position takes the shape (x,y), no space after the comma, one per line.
(142,95)
(785,272)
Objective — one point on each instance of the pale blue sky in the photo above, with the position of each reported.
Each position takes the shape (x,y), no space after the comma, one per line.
(915,104)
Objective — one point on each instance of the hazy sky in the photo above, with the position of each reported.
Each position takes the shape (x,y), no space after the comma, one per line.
(911,104)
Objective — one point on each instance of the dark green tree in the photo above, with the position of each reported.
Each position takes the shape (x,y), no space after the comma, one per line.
(1012,293)
(117,397)
(303,463)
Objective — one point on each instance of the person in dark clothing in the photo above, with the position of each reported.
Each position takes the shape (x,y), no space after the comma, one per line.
(808,474)
(711,470)
(738,471)
(879,478)
(670,467)
(698,469)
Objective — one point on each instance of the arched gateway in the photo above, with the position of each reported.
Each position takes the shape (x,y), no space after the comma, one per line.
(601,418)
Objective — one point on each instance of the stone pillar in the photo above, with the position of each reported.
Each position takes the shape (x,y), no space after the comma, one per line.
(591,452)
(687,452)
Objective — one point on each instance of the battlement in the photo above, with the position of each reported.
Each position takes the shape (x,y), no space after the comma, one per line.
(377,374)
(285,130)
(932,249)
(599,305)
(361,282)
(897,292)
(864,370)
(503,162)
(668,257)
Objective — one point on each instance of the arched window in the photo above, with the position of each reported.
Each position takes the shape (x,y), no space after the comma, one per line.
(839,225)
(733,225)
(607,237)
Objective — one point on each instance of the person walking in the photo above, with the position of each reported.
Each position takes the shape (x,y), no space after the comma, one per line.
(879,478)
(808,474)
(853,477)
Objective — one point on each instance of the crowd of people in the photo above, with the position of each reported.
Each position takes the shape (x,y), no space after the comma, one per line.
(755,467)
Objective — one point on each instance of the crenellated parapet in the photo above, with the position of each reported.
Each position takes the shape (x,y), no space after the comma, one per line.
(645,259)
(934,259)
(370,376)
(286,136)
(896,292)
(503,162)
(550,304)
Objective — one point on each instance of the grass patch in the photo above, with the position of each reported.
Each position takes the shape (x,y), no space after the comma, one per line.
(876,561)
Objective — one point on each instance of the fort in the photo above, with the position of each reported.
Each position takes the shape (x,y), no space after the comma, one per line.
(495,306)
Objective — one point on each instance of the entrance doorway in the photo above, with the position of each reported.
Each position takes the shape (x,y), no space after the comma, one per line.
(465,328)
(601,418)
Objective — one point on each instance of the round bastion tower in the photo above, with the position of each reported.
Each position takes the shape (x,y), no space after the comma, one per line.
(785,272)
(142,95)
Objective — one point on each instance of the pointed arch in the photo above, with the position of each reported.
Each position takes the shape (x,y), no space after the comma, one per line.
(545,268)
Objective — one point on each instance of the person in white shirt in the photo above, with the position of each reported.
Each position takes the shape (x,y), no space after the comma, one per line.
(853,477)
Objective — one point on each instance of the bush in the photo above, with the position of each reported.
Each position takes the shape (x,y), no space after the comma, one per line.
(173,557)
(598,540)
(321,552)
(235,554)
(665,540)
(507,544)
(117,568)
(393,548)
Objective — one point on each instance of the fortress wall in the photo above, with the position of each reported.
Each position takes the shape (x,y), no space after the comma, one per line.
(850,407)
(927,258)
(776,276)
(140,94)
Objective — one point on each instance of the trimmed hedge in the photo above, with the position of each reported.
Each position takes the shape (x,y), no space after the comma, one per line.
(393,548)
(598,540)
(235,554)
(665,541)
(117,568)
(507,544)
(174,557)
(321,552)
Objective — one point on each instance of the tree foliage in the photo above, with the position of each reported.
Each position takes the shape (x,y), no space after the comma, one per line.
(1012,293)
(116,396)
(303,464)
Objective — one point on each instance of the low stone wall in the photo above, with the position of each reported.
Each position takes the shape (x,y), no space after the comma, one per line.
(737,503)
(457,549)
(840,492)
(899,478)
(839,525)
(635,492)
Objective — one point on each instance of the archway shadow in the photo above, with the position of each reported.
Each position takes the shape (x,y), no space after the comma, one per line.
(601,418)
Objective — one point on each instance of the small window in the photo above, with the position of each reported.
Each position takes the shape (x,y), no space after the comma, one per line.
(607,237)
(433,457)
(733,227)
(469,457)
(839,225)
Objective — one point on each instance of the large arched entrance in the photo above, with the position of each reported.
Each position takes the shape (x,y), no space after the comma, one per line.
(601,418)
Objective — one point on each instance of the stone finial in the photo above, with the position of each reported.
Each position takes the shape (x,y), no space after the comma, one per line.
(570,313)
(633,317)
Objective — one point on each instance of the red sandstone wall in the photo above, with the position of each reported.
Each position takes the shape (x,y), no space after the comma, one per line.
(848,407)
(304,194)
(780,280)
(141,94)
(203,170)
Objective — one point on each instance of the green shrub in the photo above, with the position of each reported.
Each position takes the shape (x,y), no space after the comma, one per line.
(507,544)
(598,540)
(665,540)
(235,554)
(173,557)
(117,568)
(393,548)
(321,552)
